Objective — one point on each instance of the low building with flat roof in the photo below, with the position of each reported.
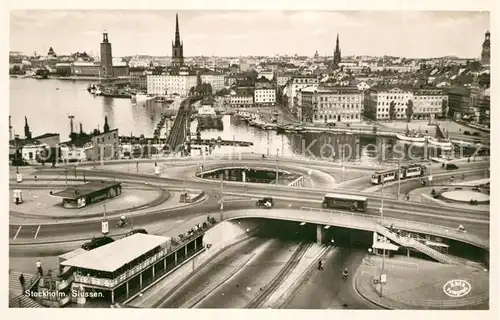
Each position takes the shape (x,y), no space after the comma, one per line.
(82,195)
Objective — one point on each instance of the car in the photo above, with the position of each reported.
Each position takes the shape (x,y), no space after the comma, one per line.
(143,231)
(265,202)
(97,242)
(477,134)
(467,133)
(451,166)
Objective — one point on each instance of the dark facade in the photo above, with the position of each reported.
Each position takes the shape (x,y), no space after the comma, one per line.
(485,53)
(177,46)
(106,58)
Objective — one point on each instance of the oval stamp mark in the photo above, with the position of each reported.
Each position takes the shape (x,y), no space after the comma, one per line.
(457,288)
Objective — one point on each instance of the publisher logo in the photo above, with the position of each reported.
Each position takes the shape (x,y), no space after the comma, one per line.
(457,288)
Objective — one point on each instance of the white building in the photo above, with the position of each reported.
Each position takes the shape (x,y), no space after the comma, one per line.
(264,94)
(206,108)
(156,84)
(241,99)
(331,104)
(428,103)
(215,79)
(297,83)
(382,99)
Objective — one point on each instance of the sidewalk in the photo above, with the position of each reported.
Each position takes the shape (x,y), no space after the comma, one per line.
(420,285)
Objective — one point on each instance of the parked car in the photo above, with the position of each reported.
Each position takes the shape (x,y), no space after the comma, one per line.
(467,133)
(265,202)
(96,243)
(477,134)
(451,166)
(143,231)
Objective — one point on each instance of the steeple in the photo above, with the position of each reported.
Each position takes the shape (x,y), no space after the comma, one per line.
(106,125)
(27,132)
(177,33)
(177,46)
(337,55)
(105,37)
(485,53)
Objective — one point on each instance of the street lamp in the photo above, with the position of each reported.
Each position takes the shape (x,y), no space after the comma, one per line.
(277,171)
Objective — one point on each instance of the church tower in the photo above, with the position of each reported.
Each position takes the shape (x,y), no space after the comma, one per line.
(485,53)
(336,55)
(106,58)
(177,46)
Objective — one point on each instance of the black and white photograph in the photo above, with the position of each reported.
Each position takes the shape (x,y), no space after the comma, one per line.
(249,159)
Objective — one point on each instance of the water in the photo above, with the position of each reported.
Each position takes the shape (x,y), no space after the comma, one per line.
(47,109)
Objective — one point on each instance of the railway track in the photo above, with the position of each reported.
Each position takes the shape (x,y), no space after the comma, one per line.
(263,295)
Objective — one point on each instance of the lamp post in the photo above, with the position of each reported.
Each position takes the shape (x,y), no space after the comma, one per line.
(382,275)
(221,198)
(277,170)
(399,178)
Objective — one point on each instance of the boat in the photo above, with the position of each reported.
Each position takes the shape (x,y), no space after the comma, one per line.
(411,136)
(98,92)
(441,143)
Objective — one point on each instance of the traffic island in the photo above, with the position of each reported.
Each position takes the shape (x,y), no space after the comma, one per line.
(422,285)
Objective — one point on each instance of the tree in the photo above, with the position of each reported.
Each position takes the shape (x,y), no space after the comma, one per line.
(444,108)
(409,110)
(198,82)
(222,92)
(192,91)
(392,110)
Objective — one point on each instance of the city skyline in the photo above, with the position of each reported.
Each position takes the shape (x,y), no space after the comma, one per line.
(411,34)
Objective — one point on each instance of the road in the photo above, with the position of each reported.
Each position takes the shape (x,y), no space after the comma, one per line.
(227,261)
(247,283)
(325,289)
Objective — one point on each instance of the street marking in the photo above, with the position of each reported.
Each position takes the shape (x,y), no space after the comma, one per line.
(15,236)
(37,230)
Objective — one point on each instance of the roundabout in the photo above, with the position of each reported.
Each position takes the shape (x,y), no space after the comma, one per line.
(466,196)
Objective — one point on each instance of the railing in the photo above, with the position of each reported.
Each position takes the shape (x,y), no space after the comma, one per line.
(409,242)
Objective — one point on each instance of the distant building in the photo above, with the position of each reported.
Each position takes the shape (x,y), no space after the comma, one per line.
(206,107)
(106,58)
(337,57)
(177,46)
(428,103)
(264,94)
(138,78)
(156,84)
(85,69)
(331,104)
(104,145)
(215,79)
(52,140)
(380,99)
(295,84)
(241,98)
(485,53)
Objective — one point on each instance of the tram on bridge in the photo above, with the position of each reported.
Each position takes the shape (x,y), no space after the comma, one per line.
(405,172)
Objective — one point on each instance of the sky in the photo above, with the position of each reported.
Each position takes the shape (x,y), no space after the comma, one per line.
(411,34)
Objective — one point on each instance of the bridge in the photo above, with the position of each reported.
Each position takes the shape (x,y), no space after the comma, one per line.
(180,129)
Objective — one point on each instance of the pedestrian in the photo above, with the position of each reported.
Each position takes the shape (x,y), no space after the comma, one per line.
(39,268)
(22,281)
(320,265)
(35,177)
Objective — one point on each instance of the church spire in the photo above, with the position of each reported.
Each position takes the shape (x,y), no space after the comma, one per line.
(177,33)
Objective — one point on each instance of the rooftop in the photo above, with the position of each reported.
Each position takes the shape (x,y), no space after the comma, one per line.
(46,135)
(115,255)
(82,190)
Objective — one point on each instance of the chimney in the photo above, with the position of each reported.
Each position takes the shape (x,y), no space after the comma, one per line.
(81,128)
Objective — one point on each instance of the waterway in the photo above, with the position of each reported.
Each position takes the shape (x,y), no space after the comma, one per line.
(48,103)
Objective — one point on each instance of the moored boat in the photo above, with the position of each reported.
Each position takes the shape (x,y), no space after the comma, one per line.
(442,143)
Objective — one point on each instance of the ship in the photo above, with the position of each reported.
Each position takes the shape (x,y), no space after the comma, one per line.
(411,136)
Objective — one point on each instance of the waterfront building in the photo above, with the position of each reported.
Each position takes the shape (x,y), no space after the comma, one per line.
(293,86)
(242,98)
(264,94)
(215,79)
(121,69)
(428,103)
(331,104)
(138,78)
(85,69)
(380,99)
(156,84)
(485,53)
(177,46)
(106,58)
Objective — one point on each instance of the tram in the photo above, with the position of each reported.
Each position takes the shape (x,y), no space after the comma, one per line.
(406,172)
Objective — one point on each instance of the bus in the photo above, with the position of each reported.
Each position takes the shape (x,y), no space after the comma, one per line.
(406,172)
(344,201)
